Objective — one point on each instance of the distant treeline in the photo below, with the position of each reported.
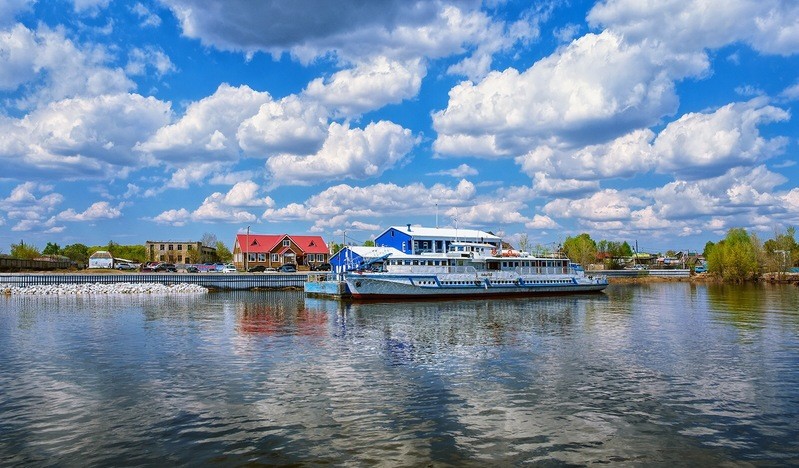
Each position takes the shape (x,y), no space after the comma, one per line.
(740,256)
(80,253)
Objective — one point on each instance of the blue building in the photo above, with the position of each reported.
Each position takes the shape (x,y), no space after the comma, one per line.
(354,257)
(414,240)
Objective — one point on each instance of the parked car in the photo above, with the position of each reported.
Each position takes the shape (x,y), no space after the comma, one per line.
(287,268)
(166,267)
(149,266)
(218,267)
(192,269)
(229,268)
(321,267)
(257,269)
(700,269)
(125,266)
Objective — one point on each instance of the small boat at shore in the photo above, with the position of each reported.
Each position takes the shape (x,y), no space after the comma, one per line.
(470,269)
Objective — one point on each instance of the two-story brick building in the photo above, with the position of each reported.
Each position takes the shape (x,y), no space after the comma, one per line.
(179,252)
(273,250)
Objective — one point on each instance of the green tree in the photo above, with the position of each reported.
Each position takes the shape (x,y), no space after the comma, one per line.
(336,247)
(369,243)
(51,249)
(581,249)
(708,248)
(24,251)
(735,258)
(626,250)
(78,253)
(612,253)
(113,247)
(137,253)
(223,253)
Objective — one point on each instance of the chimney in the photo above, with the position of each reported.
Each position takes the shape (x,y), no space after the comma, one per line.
(409,228)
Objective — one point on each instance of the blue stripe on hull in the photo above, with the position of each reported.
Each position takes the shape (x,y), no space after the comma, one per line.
(365,287)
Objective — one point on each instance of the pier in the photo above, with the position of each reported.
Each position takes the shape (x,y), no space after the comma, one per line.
(221,281)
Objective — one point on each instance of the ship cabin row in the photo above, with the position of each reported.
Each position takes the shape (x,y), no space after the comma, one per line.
(423,263)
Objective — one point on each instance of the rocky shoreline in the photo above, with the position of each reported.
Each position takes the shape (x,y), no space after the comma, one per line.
(100,288)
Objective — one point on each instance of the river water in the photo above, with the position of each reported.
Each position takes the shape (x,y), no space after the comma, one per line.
(667,373)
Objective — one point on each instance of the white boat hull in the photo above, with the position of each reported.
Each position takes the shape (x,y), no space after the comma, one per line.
(381,285)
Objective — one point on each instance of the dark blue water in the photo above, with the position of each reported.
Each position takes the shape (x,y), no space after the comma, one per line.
(667,373)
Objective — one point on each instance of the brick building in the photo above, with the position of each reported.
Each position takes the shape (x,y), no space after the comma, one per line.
(179,252)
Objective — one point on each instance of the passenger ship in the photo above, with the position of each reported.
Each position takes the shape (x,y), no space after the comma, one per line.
(471,270)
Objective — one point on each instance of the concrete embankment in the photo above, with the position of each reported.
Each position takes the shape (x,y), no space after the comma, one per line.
(98,288)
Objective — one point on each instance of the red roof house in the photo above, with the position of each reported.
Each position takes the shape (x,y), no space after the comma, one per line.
(273,250)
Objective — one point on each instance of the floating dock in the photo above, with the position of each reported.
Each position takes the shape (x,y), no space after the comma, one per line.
(325,285)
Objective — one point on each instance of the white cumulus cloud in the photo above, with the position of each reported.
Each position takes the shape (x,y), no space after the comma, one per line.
(346,153)
(81,137)
(702,145)
(368,86)
(768,26)
(290,125)
(53,67)
(574,95)
(98,210)
(207,130)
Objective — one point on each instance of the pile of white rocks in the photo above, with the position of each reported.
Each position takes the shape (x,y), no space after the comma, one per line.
(99,288)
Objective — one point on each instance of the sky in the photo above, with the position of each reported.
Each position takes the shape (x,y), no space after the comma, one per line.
(664,123)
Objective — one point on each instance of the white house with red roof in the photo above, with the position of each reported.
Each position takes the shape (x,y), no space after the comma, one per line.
(273,250)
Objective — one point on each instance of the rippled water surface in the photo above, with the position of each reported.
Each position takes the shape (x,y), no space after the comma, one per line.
(668,373)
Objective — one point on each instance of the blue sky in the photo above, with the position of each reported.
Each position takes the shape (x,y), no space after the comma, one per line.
(665,123)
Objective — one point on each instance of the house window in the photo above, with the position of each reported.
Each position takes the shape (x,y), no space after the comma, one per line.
(171,246)
(320,257)
(162,258)
(189,247)
(261,257)
(161,247)
(251,257)
(275,258)
(286,243)
(180,258)
(180,246)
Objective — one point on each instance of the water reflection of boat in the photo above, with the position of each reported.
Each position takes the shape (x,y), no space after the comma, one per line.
(471,270)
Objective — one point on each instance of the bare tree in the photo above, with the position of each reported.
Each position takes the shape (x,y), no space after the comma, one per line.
(524,243)
(209,239)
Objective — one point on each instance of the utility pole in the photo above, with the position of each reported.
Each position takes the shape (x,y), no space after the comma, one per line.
(246,255)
